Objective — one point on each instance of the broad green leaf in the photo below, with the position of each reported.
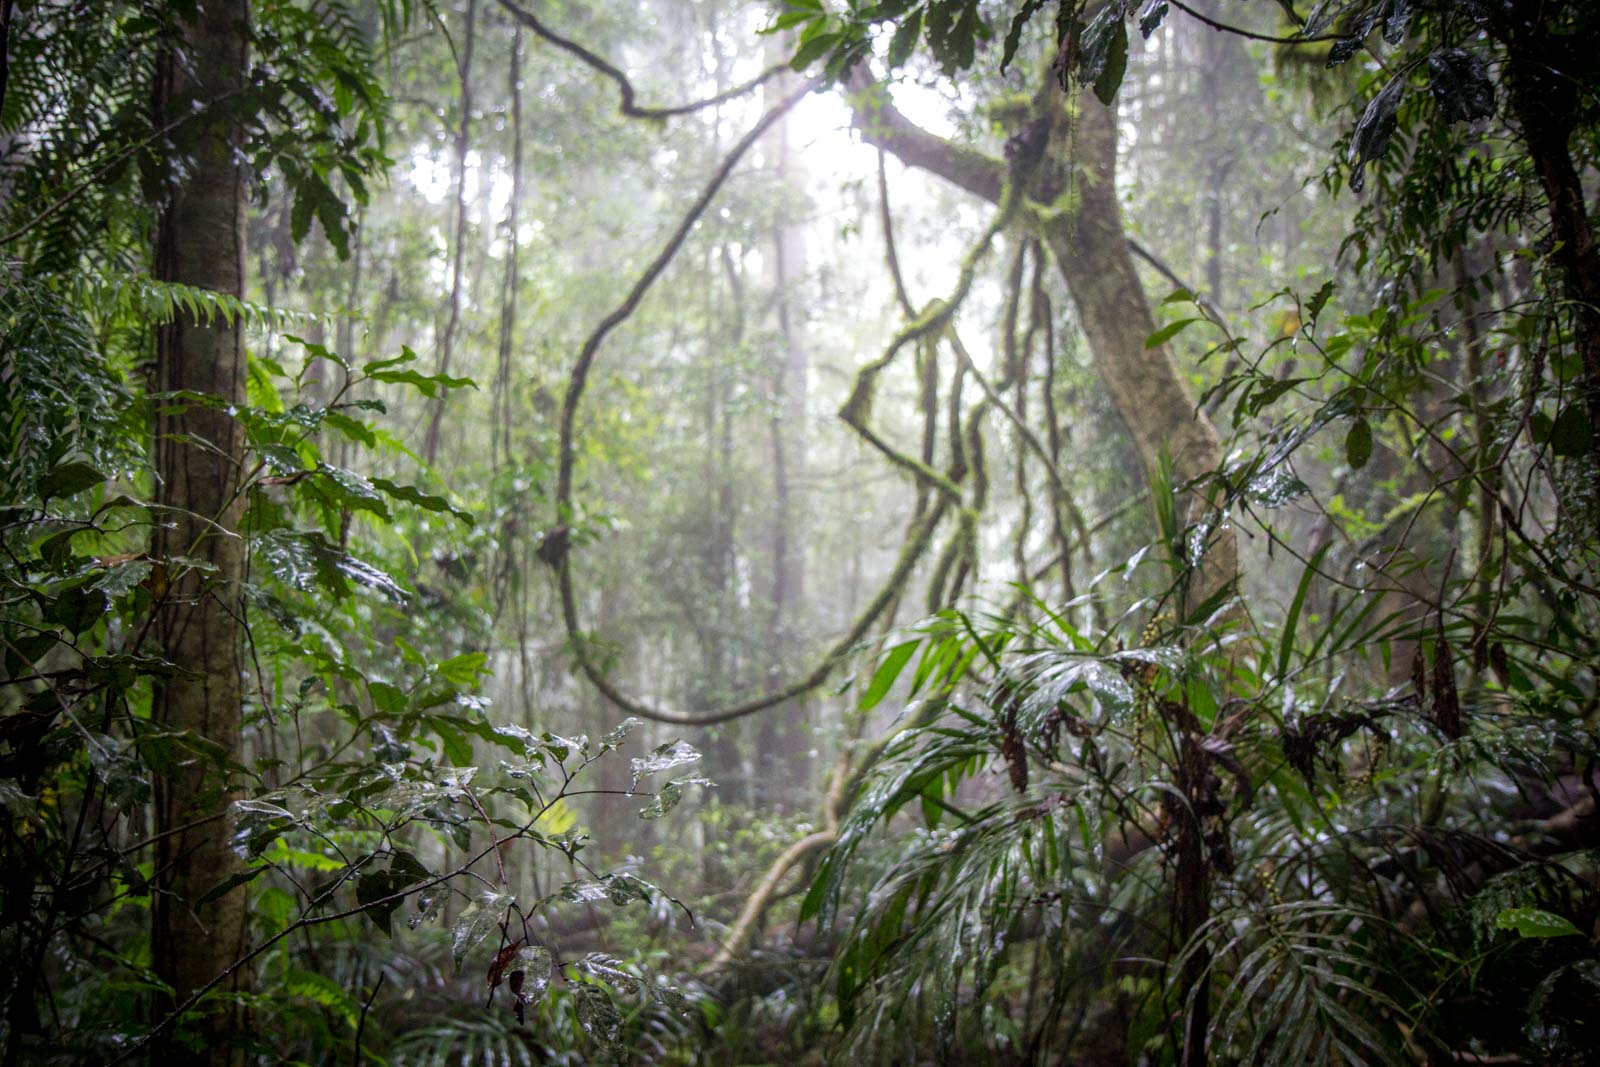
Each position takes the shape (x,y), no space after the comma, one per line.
(1535,922)
(68,479)
(463,669)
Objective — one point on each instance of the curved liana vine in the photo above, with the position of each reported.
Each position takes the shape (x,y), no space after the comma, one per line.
(934,320)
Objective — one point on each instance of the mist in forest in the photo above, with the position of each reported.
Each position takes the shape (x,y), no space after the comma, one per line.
(704,532)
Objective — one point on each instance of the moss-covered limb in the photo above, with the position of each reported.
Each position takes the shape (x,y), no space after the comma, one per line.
(846,777)
(891,252)
(884,127)
(766,891)
(1091,252)
(1041,318)
(1011,353)
(940,577)
(911,551)
(1023,358)
(958,450)
(928,404)
(935,318)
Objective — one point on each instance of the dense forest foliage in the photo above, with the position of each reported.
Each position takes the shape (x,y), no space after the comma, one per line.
(725,532)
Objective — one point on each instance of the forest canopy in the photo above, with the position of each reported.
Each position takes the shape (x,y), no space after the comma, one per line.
(712,532)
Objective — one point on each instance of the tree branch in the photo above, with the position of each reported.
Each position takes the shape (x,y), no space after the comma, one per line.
(625,89)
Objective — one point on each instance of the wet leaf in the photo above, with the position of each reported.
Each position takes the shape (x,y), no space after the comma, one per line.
(663,758)
(1374,131)
(596,1014)
(473,926)
(1460,84)
(1534,922)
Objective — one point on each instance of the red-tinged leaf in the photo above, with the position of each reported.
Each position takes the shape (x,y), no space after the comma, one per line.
(502,960)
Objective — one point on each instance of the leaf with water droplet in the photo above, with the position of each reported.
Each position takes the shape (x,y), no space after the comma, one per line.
(1275,488)
(668,796)
(596,1014)
(663,758)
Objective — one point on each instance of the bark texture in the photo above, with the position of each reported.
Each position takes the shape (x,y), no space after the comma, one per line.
(198,453)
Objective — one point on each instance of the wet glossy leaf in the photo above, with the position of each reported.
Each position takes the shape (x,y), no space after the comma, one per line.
(663,758)
(1152,18)
(1459,82)
(1374,131)
(1535,922)
(596,1014)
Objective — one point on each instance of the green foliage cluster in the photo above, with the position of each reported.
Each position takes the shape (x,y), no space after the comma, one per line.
(1339,810)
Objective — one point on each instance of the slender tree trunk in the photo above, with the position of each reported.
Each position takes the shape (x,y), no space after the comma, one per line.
(447,340)
(783,742)
(500,402)
(198,456)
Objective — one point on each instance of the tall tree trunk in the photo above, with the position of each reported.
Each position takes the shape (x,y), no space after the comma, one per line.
(782,763)
(198,456)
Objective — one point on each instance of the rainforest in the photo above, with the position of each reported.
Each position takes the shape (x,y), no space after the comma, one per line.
(747,532)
